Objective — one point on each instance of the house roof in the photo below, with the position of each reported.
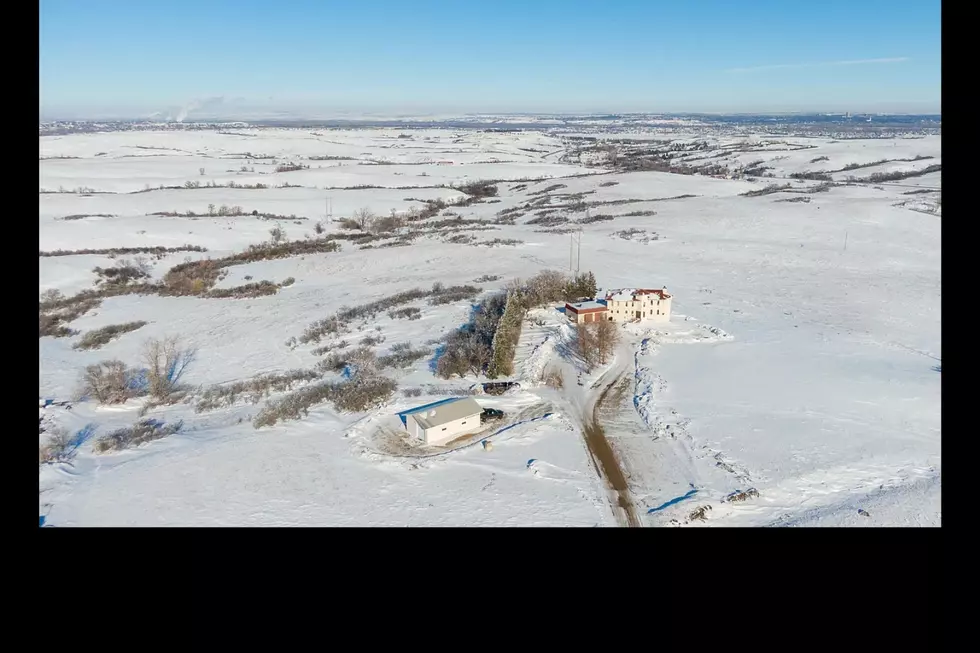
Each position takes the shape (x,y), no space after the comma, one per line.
(443,412)
(586,307)
(629,294)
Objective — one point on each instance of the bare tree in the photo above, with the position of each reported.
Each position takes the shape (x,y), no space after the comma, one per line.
(278,235)
(477,355)
(546,286)
(585,345)
(363,218)
(166,361)
(51,295)
(109,382)
(58,448)
(606,339)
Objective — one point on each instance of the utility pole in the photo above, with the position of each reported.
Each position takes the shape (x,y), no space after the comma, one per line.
(845,241)
(574,251)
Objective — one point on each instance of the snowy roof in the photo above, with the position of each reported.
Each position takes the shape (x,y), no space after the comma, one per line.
(629,294)
(587,306)
(444,412)
(624,295)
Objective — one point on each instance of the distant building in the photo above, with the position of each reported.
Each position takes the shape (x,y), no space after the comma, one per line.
(582,312)
(638,304)
(440,422)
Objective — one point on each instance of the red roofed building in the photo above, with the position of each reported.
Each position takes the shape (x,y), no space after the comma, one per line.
(581,312)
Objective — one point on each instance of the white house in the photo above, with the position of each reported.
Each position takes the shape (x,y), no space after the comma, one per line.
(440,422)
(638,304)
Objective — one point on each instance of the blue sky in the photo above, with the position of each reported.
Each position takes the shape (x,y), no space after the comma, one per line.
(130,58)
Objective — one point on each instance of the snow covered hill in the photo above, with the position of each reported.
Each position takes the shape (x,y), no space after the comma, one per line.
(801,360)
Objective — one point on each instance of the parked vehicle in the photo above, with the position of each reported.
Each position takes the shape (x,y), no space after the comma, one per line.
(490,414)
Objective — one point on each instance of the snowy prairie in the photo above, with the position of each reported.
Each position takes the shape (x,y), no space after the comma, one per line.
(798,382)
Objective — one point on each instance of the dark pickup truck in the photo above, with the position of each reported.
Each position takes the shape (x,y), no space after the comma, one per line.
(490,414)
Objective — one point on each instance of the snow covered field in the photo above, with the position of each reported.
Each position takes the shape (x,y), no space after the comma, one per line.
(801,360)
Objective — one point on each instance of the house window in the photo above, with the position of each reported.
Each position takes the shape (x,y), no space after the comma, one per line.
(443,428)
(658,312)
(462,423)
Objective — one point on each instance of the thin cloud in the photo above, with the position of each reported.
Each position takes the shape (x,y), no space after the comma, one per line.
(852,62)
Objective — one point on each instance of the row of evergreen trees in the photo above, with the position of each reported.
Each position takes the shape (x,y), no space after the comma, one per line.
(488,344)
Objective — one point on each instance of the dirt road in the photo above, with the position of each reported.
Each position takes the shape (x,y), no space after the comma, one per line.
(603,455)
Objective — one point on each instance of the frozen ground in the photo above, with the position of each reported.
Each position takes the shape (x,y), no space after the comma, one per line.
(800,361)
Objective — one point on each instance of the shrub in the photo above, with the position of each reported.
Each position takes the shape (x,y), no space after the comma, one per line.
(335,362)
(192,278)
(290,167)
(451,294)
(768,190)
(598,217)
(815,176)
(277,234)
(381,225)
(608,183)
(111,382)
(479,188)
(120,251)
(145,430)
(363,393)
(402,355)
(98,337)
(81,216)
(334,324)
(549,189)
(548,220)
(56,312)
(633,214)
(124,271)
(500,241)
(257,289)
(370,341)
(320,351)
(410,313)
(254,389)
(166,361)
(879,177)
(553,378)
(487,278)
(357,395)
